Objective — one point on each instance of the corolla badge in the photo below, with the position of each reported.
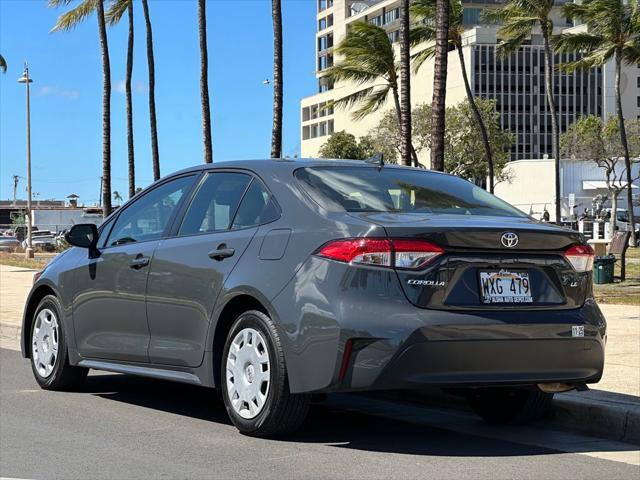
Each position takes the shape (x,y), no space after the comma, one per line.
(509,239)
(426,283)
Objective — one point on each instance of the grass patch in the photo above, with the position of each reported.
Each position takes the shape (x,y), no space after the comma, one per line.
(18,260)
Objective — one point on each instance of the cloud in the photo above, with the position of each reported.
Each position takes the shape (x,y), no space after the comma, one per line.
(58,92)
(137,87)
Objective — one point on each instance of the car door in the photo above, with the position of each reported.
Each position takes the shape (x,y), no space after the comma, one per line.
(189,269)
(109,311)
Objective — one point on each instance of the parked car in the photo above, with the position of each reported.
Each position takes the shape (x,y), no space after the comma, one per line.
(9,243)
(274,280)
(43,240)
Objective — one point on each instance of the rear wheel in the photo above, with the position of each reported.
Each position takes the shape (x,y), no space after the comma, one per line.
(254,379)
(49,358)
(510,405)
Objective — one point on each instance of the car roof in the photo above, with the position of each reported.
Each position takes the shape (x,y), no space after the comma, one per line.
(268,165)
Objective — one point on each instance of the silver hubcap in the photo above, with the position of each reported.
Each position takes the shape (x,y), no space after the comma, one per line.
(45,342)
(248,373)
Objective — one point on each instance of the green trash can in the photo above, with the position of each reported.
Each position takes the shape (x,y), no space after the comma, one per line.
(603,269)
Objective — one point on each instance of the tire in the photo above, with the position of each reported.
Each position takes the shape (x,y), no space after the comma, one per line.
(260,404)
(504,405)
(52,371)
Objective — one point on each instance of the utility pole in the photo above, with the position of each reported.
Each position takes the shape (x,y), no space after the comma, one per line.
(27,80)
(16,179)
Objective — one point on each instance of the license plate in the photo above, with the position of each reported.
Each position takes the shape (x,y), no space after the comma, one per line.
(502,286)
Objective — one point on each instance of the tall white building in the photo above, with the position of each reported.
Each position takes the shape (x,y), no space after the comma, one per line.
(516,82)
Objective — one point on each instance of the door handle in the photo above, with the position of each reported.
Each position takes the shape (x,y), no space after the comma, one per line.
(139,262)
(221,252)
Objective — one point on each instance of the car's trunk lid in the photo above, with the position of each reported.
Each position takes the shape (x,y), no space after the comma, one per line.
(477,252)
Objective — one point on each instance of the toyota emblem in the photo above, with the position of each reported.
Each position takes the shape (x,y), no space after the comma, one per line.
(509,239)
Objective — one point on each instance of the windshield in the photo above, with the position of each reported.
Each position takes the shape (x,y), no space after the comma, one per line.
(357,189)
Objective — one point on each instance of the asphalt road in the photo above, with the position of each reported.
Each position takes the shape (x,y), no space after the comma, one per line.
(127,427)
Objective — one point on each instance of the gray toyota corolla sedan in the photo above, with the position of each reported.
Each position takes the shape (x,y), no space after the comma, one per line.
(275,280)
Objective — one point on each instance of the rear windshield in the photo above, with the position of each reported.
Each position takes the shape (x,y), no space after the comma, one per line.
(357,189)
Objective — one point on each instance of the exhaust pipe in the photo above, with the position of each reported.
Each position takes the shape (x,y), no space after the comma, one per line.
(562,387)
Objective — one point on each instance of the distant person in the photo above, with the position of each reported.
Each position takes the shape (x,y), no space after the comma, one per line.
(545,215)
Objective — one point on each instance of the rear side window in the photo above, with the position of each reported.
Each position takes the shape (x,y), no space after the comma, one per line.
(257,207)
(362,189)
(214,205)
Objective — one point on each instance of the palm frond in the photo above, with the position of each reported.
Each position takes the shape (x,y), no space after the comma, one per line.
(116,10)
(73,17)
(3,64)
(508,46)
(372,98)
(576,42)
(631,51)
(419,58)
(375,100)
(595,58)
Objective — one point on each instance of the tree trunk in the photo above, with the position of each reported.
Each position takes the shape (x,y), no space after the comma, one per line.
(439,85)
(276,132)
(106,111)
(155,156)
(555,133)
(405,85)
(479,120)
(130,149)
(614,209)
(204,82)
(625,147)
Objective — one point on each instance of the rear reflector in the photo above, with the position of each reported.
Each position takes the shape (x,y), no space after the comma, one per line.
(399,253)
(580,257)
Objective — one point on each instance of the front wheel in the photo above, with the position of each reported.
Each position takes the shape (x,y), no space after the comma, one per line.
(504,405)
(49,358)
(254,379)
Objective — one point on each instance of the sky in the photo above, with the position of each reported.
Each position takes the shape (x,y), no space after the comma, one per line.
(66,96)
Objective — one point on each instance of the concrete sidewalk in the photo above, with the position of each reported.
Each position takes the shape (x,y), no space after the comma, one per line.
(611,409)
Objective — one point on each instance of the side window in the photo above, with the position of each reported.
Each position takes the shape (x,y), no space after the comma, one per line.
(147,218)
(215,203)
(257,207)
(105,228)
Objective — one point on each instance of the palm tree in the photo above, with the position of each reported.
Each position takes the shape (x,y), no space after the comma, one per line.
(425,31)
(519,18)
(3,64)
(441,54)
(113,16)
(369,61)
(613,32)
(405,84)
(204,81)
(117,197)
(66,22)
(155,156)
(276,132)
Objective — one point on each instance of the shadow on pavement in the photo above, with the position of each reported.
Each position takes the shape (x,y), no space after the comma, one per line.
(326,424)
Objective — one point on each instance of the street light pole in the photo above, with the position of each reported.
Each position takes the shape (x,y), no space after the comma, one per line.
(27,80)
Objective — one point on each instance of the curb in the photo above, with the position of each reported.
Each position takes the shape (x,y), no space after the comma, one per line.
(598,413)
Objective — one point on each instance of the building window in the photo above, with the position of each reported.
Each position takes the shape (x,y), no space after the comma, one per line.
(376,21)
(322,5)
(305,114)
(638,101)
(638,82)
(325,22)
(324,62)
(325,42)
(391,15)
(324,85)
(394,36)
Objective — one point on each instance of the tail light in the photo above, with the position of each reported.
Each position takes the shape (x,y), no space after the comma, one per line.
(580,257)
(405,254)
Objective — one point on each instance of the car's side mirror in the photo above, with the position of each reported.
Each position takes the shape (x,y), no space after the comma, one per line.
(83,235)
